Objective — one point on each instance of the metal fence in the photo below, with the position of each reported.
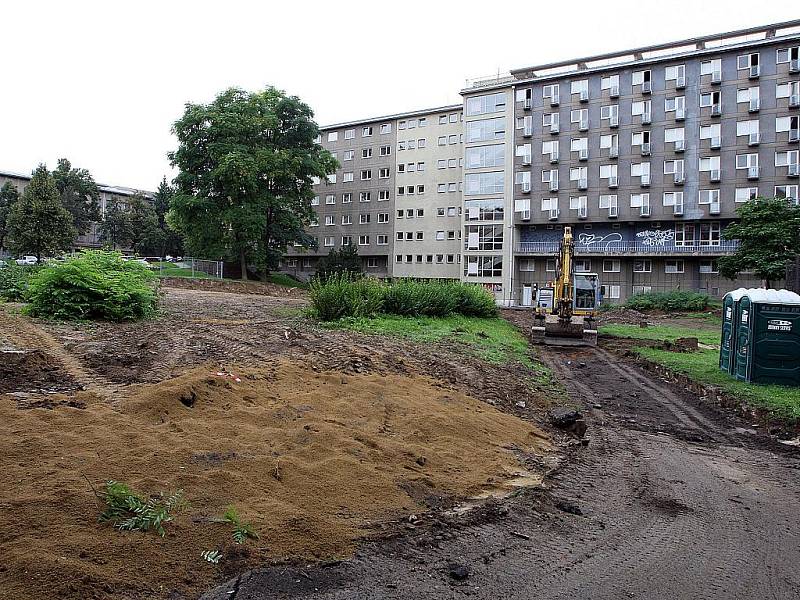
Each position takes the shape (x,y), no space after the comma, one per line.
(185,266)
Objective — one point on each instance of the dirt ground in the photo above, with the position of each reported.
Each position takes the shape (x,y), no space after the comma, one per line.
(319,438)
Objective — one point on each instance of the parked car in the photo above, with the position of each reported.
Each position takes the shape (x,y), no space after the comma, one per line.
(27,261)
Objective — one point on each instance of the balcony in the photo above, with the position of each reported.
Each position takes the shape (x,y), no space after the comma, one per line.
(645,180)
(554,185)
(680,83)
(716,110)
(627,248)
(680,114)
(679,178)
(754,72)
(677,209)
(715,143)
(794,170)
(752,173)
(583,125)
(583,184)
(647,87)
(553,214)
(647,118)
(583,154)
(613,152)
(527,130)
(555,100)
(645,148)
(754,139)
(613,182)
(527,104)
(754,106)
(584,95)
(526,187)
(716,77)
(794,101)
(613,122)
(680,146)
(794,66)
(714,176)
(554,157)
(613,91)
(794,136)
(554,129)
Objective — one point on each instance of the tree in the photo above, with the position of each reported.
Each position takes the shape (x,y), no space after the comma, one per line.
(247,165)
(768,231)
(146,237)
(8,196)
(171,242)
(79,195)
(38,223)
(115,230)
(342,260)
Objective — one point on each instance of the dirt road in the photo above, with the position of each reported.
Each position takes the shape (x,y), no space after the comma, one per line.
(669,500)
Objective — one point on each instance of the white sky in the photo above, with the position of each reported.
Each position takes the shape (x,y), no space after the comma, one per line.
(101,82)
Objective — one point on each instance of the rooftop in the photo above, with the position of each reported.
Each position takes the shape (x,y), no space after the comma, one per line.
(413,113)
(109,189)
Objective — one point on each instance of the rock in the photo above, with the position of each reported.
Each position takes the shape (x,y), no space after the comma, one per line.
(568,507)
(421,460)
(563,417)
(458,572)
(520,404)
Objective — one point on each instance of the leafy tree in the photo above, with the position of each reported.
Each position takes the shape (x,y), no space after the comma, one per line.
(38,223)
(247,165)
(339,261)
(769,236)
(146,237)
(8,196)
(79,195)
(115,230)
(171,242)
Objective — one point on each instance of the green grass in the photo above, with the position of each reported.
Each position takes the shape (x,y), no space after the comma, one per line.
(703,367)
(667,333)
(285,280)
(168,269)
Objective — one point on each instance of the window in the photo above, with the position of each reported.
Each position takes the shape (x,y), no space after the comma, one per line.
(673,167)
(382,240)
(643,265)
(678,103)
(550,92)
(745,161)
(333,136)
(578,173)
(673,266)
(786,55)
(607,201)
(709,163)
(675,134)
(709,99)
(398,258)
(440,236)
(347,198)
(383,173)
(640,200)
(328,242)
(347,240)
(709,234)
(348,155)
(550,265)
(330,199)
(315,201)
(481,105)
(366,131)
(784,159)
(332,178)
(640,108)
(639,138)
(442,119)
(642,289)
(610,82)
(708,132)
(421,143)
(578,144)
(580,86)
(420,212)
(383,195)
(400,236)
(363,240)
(347,177)
(640,77)
(483,183)
(383,217)
(579,115)
(481,266)
(366,174)
(363,218)
(609,111)
(583,265)
(442,140)
(484,130)
(610,291)
(527,265)
(366,153)
(787,191)
(745,194)
(609,141)
(673,199)
(745,61)
(423,122)
(372,262)
(640,169)
(364,196)
(386,128)
(347,219)
(747,94)
(485,156)
(421,189)
(709,67)
(349,134)
(709,266)
(784,124)
(675,72)
(746,127)
(684,234)
(549,204)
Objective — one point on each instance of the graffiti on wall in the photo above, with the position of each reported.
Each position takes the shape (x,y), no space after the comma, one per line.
(589,239)
(656,237)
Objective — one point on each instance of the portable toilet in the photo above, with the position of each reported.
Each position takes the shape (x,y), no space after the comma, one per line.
(768,337)
(727,346)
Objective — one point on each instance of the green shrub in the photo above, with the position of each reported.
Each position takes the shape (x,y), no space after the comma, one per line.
(14,281)
(93,285)
(342,296)
(669,301)
(130,512)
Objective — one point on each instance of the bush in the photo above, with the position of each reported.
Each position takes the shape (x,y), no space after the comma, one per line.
(669,301)
(14,281)
(94,285)
(344,296)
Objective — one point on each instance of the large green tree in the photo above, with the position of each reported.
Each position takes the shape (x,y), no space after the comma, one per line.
(768,231)
(79,195)
(171,241)
(146,237)
(247,165)
(339,261)
(115,230)
(8,196)
(38,222)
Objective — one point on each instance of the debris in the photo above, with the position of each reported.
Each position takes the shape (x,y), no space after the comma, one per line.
(520,535)
(563,417)
(568,507)
(458,572)
(520,404)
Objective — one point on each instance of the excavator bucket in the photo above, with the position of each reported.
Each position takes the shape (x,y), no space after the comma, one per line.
(555,331)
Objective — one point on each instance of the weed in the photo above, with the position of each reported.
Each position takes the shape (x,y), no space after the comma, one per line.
(241,531)
(130,512)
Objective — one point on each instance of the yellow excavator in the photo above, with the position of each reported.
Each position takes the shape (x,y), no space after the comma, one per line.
(566,308)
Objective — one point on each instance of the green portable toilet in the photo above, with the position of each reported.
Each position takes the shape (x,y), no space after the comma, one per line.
(768,337)
(727,346)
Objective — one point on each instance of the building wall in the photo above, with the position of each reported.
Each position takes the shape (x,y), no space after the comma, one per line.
(431,215)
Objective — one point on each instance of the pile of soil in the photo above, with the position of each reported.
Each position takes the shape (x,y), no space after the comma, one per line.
(623,316)
(314,460)
(236,287)
(32,371)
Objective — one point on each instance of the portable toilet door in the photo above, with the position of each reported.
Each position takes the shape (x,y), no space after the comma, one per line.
(742,340)
(730,320)
(774,337)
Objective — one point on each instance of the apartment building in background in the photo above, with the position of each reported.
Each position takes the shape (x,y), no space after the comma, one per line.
(396,196)
(107,193)
(645,153)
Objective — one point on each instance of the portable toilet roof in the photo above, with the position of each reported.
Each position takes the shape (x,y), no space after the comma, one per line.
(765,296)
(736,294)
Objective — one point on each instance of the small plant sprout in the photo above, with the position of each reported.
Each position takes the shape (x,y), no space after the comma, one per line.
(241,531)
(212,556)
(130,512)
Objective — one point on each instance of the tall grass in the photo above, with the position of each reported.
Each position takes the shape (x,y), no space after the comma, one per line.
(674,301)
(343,295)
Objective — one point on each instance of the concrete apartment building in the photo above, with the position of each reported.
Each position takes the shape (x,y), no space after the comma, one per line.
(396,196)
(646,153)
(107,194)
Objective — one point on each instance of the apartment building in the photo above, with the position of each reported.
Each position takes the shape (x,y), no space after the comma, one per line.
(396,196)
(646,153)
(107,193)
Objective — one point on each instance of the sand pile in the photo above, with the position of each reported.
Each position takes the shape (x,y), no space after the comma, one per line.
(312,460)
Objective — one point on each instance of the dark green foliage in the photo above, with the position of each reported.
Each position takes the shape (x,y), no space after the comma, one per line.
(130,512)
(247,165)
(38,223)
(343,296)
(132,224)
(79,195)
(171,241)
(94,285)
(14,281)
(339,260)
(241,531)
(8,196)
(769,235)
(669,301)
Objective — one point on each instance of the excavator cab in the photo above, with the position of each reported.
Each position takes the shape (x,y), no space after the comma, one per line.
(568,320)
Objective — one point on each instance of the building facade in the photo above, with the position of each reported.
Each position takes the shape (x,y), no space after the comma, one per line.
(645,153)
(108,193)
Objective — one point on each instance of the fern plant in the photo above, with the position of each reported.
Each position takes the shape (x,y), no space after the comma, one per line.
(212,556)
(130,512)
(241,531)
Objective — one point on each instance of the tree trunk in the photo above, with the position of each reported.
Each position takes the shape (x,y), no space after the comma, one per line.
(243,263)
(767,282)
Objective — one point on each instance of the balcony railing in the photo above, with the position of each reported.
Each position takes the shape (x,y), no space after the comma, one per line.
(633,248)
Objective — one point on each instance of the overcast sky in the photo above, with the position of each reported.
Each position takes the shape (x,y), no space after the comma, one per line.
(101,82)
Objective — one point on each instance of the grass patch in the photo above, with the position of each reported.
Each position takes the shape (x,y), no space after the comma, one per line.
(703,367)
(286,281)
(666,333)
(168,269)
(494,340)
